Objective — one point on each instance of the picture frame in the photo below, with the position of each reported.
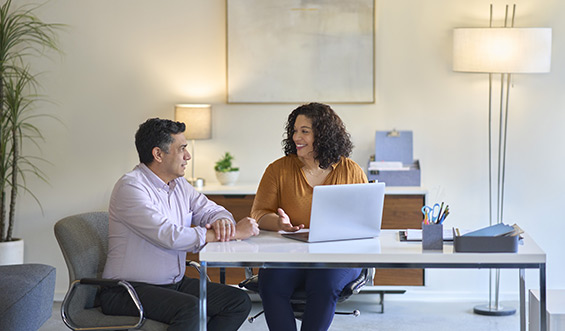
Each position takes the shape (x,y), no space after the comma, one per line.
(292,51)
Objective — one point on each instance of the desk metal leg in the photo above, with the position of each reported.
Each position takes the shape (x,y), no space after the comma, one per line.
(522,300)
(222,275)
(542,301)
(202,300)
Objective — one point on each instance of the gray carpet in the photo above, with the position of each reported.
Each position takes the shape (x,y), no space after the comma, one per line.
(399,315)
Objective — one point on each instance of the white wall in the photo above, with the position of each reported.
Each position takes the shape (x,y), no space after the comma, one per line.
(125,61)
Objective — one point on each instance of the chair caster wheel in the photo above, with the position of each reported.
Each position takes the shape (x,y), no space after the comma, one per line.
(251,319)
(356,313)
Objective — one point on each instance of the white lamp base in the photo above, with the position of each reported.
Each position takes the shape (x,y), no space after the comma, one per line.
(493,311)
(196,182)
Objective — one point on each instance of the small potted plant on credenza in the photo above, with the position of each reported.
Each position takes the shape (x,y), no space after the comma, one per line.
(225,172)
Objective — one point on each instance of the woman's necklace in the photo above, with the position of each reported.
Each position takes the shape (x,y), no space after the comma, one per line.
(313,174)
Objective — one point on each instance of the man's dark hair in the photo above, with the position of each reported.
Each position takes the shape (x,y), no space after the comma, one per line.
(155,132)
(331,140)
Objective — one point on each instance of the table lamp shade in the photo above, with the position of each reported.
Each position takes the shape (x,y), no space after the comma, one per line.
(502,50)
(198,120)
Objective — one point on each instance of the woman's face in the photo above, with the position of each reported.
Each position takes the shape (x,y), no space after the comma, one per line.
(303,137)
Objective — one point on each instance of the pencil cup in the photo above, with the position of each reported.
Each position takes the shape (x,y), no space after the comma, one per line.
(432,236)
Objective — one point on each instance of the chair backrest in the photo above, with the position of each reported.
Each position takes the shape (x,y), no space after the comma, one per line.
(83,239)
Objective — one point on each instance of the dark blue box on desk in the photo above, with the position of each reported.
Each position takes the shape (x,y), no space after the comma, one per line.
(395,146)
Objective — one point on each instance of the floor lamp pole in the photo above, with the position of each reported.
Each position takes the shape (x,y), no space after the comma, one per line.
(496,309)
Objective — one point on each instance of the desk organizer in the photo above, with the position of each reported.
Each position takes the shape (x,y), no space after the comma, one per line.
(395,146)
(500,244)
(432,236)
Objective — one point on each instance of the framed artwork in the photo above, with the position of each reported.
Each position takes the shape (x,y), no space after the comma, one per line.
(293,51)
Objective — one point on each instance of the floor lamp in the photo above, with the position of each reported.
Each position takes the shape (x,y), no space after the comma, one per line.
(500,51)
(198,120)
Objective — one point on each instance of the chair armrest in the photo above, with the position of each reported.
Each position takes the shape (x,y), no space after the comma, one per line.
(196,266)
(355,285)
(251,283)
(100,282)
(248,272)
(371,276)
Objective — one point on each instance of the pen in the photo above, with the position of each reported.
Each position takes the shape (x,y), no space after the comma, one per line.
(439,216)
(445,213)
(443,218)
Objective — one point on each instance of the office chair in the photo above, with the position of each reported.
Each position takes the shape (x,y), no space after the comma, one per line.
(83,240)
(298,299)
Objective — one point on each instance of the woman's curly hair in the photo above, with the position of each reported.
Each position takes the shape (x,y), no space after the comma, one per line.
(331,140)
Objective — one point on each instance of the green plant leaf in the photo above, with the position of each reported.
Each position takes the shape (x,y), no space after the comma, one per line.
(224,164)
(22,35)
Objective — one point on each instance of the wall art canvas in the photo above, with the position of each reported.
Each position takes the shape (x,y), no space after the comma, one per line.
(292,51)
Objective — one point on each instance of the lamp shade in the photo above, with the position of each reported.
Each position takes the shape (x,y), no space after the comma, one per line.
(197,118)
(502,50)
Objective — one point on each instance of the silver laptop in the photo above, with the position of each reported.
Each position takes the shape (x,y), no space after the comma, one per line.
(342,212)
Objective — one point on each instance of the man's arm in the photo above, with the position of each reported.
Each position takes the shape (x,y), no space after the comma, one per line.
(217,220)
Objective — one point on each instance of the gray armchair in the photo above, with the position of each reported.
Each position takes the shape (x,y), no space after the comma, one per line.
(83,240)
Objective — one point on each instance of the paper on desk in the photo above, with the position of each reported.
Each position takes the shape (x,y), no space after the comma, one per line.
(416,234)
(387,165)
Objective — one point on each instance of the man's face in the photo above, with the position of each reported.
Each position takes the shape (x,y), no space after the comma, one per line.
(174,162)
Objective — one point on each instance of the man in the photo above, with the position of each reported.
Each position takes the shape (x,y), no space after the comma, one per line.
(151,212)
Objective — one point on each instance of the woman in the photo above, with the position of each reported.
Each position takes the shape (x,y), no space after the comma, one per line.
(316,150)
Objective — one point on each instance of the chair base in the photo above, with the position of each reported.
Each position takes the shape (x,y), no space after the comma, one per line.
(355,313)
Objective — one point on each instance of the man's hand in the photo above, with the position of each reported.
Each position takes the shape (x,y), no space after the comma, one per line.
(285,224)
(223,228)
(246,228)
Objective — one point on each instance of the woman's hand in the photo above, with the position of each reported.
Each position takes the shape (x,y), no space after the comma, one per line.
(285,224)
(246,228)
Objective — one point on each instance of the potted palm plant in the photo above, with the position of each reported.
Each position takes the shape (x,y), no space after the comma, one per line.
(22,35)
(225,172)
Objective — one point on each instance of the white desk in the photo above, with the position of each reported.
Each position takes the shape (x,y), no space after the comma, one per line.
(270,250)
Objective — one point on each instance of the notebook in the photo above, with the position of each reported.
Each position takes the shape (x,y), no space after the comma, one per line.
(343,212)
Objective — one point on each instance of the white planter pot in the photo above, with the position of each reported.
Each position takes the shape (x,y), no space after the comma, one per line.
(12,252)
(227,178)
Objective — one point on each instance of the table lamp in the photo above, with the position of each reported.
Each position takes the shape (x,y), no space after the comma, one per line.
(505,51)
(198,121)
